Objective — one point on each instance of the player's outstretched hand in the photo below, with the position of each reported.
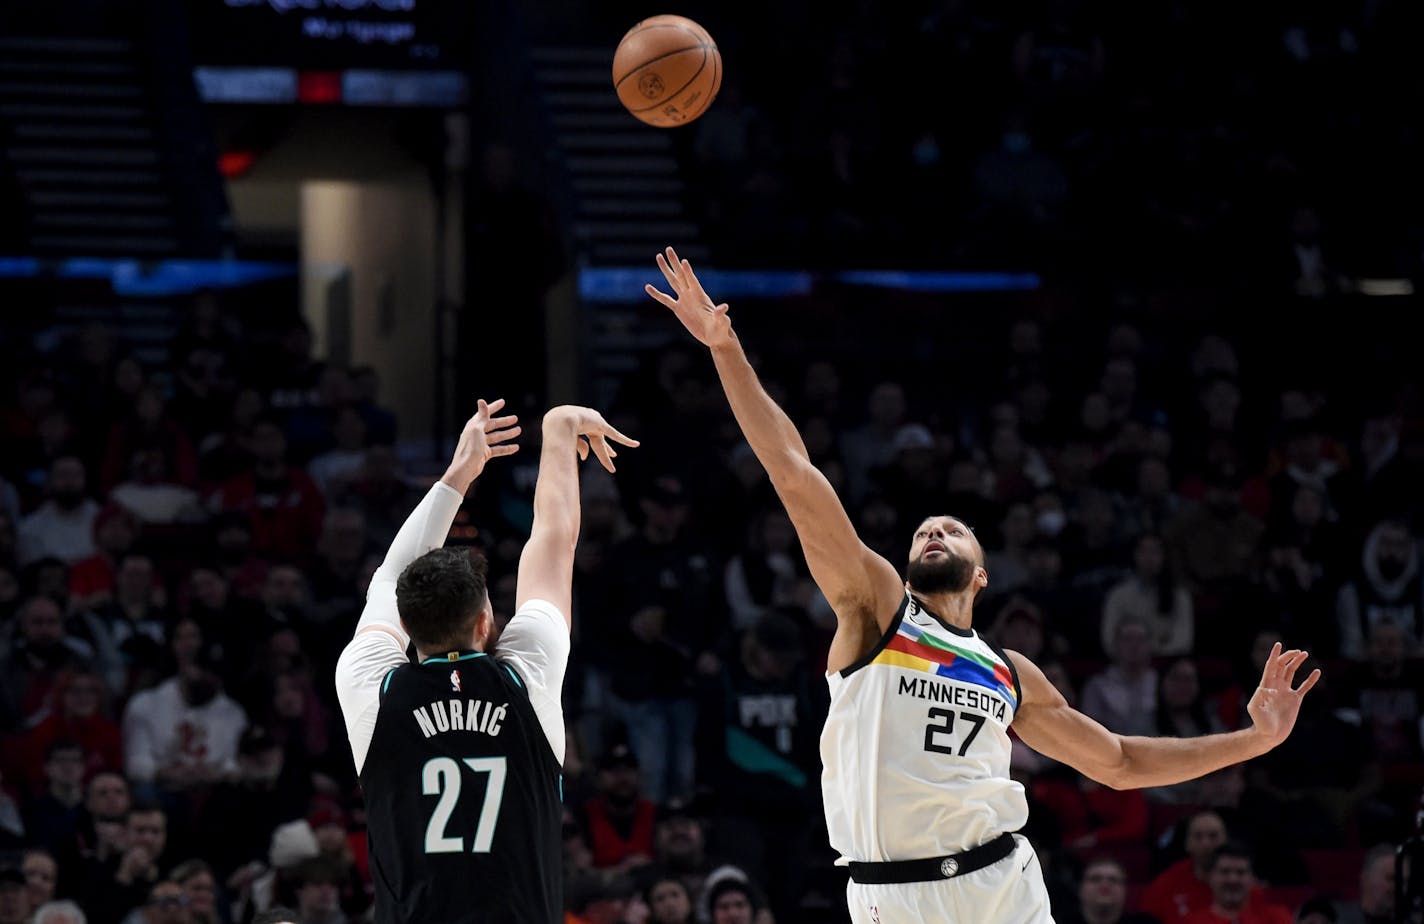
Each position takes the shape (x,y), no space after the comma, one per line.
(707,322)
(1276,703)
(593,431)
(485,436)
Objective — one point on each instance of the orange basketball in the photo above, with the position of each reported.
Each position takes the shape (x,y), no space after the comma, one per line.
(667,71)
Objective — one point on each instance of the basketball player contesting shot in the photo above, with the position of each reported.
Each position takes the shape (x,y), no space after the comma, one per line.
(460,755)
(918,798)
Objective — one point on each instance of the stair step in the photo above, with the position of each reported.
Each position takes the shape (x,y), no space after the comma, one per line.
(628,185)
(65,45)
(629,164)
(104,90)
(657,206)
(71,243)
(584,99)
(128,222)
(49,66)
(107,156)
(608,252)
(614,141)
(578,76)
(78,177)
(51,132)
(594,120)
(99,199)
(70,111)
(569,54)
(635,229)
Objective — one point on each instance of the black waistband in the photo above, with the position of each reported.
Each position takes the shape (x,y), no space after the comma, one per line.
(956,864)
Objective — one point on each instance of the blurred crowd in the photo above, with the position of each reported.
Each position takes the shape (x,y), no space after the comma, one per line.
(1184,140)
(185,543)
(184,549)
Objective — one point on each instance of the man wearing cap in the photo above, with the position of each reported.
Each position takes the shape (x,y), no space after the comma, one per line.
(598,898)
(680,848)
(618,820)
(251,804)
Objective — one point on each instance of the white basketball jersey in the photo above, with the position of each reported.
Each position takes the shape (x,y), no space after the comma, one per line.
(916,744)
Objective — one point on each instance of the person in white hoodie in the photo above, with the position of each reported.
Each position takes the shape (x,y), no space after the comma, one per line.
(182,732)
(1389,586)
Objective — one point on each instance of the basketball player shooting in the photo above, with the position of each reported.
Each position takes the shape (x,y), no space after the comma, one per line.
(918,798)
(460,754)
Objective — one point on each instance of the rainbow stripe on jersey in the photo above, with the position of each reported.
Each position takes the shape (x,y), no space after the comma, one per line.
(912,647)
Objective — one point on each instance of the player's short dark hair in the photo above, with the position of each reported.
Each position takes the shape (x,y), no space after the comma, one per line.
(277,915)
(439,595)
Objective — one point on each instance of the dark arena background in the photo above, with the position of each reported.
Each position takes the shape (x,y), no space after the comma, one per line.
(1132,288)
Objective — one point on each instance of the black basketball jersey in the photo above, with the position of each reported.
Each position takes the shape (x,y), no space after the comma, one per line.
(462,794)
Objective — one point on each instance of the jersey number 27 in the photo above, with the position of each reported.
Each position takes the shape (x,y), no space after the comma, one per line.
(442,776)
(938,735)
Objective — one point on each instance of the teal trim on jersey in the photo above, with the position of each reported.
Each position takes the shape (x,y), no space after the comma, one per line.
(514,675)
(753,756)
(446,659)
(387,684)
(561,787)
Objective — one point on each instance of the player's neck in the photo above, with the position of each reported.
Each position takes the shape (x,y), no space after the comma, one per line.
(955,608)
(444,654)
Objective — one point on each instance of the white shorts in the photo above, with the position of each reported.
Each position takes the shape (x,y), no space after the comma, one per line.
(1008,892)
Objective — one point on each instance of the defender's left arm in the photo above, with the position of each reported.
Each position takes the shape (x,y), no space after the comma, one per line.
(1055,729)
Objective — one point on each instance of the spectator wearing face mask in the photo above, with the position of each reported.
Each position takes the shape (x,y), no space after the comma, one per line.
(262,794)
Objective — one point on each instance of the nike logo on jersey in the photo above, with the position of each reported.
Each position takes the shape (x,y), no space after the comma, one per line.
(913,612)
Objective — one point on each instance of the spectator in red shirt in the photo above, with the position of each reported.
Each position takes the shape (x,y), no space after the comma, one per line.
(76,715)
(1181,888)
(1232,882)
(282,503)
(91,581)
(619,821)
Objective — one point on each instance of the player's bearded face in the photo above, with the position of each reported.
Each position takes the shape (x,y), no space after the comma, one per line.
(949,573)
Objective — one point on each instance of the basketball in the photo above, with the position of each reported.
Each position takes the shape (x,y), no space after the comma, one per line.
(667,71)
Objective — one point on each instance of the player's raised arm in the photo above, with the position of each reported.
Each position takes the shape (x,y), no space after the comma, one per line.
(380,640)
(546,565)
(535,643)
(857,582)
(1050,726)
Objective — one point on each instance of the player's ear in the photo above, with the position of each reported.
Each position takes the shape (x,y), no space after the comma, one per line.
(981,577)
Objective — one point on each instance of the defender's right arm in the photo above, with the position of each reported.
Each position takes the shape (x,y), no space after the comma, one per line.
(863,588)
